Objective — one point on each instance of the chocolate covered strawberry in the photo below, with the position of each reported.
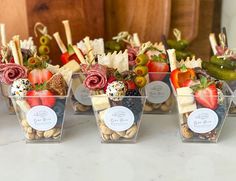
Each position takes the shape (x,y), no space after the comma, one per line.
(206,94)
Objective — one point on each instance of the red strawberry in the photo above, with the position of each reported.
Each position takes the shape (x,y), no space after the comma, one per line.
(42,97)
(157,66)
(39,76)
(130,85)
(207,95)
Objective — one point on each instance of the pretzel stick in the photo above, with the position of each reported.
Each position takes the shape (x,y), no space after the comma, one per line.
(16,39)
(79,54)
(213,43)
(59,42)
(3,34)
(68,31)
(14,52)
(89,49)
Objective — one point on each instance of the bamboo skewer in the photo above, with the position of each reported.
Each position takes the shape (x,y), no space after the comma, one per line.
(59,42)
(68,32)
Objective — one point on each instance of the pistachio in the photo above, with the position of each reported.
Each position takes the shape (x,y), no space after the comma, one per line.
(114,136)
(30,136)
(147,108)
(156,106)
(81,107)
(57,133)
(105,137)
(25,123)
(40,134)
(104,129)
(165,108)
(169,101)
(49,133)
(186,132)
(131,132)
(121,133)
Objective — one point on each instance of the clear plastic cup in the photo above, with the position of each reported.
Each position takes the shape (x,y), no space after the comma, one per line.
(160,99)
(198,123)
(80,98)
(41,123)
(6,98)
(118,118)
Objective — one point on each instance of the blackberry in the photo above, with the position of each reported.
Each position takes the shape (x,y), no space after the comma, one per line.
(135,105)
(134,92)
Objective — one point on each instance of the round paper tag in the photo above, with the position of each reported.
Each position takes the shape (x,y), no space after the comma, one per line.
(82,95)
(119,118)
(234,97)
(157,92)
(41,118)
(202,120)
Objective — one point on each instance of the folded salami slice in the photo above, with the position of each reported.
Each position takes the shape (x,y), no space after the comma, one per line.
(96,77)
(11,71)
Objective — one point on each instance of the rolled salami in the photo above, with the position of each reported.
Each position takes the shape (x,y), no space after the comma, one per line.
(96,77)
(11,72)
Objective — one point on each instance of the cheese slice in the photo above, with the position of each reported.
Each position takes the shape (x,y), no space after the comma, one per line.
(100,102)
(72,66)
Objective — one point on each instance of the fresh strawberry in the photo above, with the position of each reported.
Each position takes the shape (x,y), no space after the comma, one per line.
(157,67)
(39,76)
(206,94)
(130,85)
(42,97)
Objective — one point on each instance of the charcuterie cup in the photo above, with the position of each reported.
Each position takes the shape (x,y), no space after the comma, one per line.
(81,101)
(160,99)
(198,123)
(7,100)
(41,123)
(118,117)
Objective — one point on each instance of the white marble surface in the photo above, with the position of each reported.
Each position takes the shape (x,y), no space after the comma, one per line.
(159,154)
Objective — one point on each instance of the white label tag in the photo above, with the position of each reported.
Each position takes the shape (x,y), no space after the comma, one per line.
(234,97)
(202,120)
(41,118)
(157,92)
(82,95)
(119,118)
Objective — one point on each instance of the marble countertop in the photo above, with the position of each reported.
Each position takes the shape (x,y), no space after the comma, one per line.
(158,154)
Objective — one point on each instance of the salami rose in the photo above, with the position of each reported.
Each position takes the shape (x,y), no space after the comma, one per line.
(96,77)
(11,71)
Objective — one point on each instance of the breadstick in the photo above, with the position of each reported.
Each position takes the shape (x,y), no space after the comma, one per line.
(79,54)
(213,42)
(16,39)
(59,42)
(68,32)
(14,52)
(3,34)
(89,50)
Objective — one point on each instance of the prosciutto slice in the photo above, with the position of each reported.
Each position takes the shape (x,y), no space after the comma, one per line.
(11,72)
(96,77)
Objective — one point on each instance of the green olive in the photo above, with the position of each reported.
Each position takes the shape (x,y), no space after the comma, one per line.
(178,45)
(44,50)
(44,40)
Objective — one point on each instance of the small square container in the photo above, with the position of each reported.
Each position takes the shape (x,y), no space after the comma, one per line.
(198,123)
(118,121)
(7,99)
(41,123)
(80,98)
(160,99)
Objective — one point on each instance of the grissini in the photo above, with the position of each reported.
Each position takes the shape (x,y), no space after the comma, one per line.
(213,42)
(59,42)
(16,39)
(3,34)
(14,52)
(89,50)
(79,54)
(67,31)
